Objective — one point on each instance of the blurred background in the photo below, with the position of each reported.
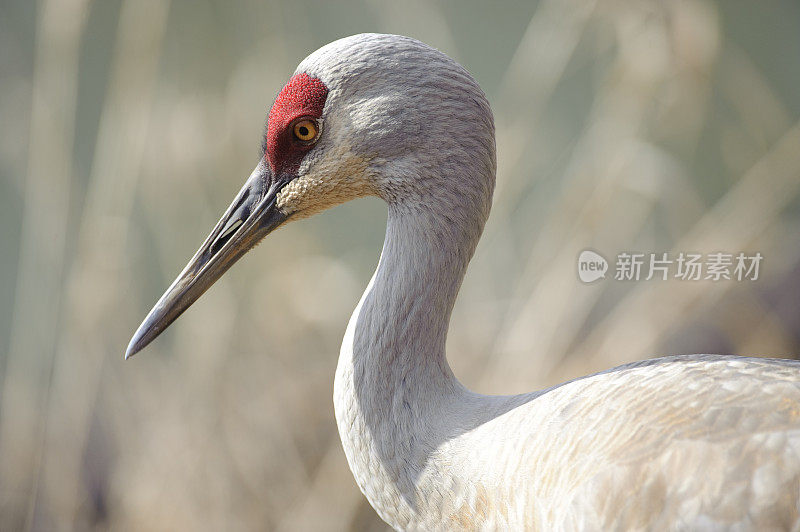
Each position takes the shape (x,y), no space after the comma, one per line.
(127,126)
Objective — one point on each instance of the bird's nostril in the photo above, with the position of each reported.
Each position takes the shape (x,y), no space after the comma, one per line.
(225,236)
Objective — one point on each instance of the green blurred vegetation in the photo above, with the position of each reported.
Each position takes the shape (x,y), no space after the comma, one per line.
(128,125)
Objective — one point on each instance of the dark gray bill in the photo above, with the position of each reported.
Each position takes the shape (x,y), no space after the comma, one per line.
(251,217)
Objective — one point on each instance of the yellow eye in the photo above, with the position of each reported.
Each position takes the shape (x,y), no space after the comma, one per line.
(306,130)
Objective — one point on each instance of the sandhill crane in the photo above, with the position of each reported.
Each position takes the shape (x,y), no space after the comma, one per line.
(691,442)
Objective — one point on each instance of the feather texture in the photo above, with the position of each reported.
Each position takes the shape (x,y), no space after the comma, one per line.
(693,442)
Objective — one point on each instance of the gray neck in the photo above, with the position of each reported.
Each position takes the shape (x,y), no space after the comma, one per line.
(396,398)
(405,316)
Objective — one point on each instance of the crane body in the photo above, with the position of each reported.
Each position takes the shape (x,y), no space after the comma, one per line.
(692,442)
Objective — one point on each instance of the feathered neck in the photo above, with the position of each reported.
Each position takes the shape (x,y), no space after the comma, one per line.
(396,398)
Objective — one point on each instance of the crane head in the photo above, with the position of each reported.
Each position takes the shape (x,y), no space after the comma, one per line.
(361,116)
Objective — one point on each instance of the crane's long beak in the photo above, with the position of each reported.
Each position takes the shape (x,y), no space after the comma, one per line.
(252,215)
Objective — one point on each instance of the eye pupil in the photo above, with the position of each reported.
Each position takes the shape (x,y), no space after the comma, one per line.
(303,131)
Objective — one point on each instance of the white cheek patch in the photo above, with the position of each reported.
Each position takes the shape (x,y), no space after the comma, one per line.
(338,177)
